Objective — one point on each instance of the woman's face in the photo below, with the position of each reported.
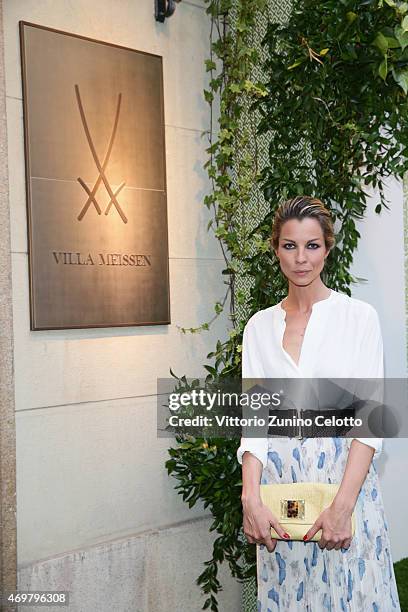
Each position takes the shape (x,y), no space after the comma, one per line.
(302,251)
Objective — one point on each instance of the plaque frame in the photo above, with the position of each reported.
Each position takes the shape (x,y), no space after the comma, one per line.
(37,322)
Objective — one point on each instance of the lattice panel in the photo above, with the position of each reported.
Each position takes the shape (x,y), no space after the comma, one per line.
(278,11)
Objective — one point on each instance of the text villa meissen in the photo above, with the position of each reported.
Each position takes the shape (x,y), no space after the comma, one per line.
(101,259)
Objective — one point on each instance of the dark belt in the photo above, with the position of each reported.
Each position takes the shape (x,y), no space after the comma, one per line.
(313,430)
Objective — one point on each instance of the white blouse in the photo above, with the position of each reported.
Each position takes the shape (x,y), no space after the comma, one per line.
(342,340)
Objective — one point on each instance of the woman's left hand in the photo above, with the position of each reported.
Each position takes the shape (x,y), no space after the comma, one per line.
(335,523)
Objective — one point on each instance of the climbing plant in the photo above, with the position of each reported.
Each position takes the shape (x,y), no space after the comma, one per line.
(339,71)
(332,105)
(207,469)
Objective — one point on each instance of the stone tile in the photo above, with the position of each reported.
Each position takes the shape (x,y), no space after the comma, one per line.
(18,210)
(138,574)
(103,476)
(187,184)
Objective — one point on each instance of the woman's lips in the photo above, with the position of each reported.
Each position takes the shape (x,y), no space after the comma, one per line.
(301,272)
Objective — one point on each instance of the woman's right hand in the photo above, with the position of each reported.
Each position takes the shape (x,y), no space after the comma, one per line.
(257,523)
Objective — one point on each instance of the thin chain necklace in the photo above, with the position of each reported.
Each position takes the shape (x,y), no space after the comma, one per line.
(302,333)
(309,312)
(304,329)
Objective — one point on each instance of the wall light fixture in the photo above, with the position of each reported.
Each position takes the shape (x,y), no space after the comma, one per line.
(164,8)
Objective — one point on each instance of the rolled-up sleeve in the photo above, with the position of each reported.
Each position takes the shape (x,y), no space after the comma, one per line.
(371,363)
(256,446)
(252,368)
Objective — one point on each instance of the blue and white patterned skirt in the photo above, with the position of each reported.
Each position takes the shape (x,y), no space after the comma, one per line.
(301,576)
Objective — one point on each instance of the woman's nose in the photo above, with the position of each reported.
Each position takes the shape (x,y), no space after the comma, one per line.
(301,256)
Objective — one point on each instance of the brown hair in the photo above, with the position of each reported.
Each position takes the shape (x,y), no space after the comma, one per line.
(299,208)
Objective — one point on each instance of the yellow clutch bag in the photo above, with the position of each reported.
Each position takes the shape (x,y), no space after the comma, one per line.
(297,506)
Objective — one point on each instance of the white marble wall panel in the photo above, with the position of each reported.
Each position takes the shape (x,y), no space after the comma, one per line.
(187,185)
(90,472)
(18,209)
(153,572)
(380,260)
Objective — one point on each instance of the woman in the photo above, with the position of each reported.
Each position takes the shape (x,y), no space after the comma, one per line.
(316,332)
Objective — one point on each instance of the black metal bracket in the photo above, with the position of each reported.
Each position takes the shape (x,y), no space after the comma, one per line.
(164,8)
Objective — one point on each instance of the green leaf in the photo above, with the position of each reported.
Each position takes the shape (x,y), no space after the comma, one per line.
(185,445)
(208,95)
(351,16)
(404,23)
(402,8)
(381,42)
(297,63)
(210,65)
(218,307)
(401,77)
(401,36)
(383,68)
(393,43)
(235,88)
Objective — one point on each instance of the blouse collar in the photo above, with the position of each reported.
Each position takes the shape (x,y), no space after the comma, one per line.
(319,304)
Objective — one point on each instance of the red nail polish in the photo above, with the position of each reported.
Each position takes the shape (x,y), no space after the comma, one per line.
(305,537)
(286,535)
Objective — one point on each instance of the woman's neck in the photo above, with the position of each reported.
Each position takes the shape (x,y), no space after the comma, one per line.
(301,299)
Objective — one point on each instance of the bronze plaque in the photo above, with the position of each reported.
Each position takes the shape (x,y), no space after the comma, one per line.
(96,182)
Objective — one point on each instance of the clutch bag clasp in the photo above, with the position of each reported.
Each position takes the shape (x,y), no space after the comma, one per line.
(292,508)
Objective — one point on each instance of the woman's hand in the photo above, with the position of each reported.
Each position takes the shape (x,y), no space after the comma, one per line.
(335,523)
(257,522)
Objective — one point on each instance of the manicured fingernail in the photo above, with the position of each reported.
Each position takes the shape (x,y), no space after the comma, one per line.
(305,537)
(286,535)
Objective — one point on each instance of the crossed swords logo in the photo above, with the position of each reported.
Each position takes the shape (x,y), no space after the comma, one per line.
(101,167)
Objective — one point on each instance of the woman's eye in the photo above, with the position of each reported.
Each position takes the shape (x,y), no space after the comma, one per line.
(288,246)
